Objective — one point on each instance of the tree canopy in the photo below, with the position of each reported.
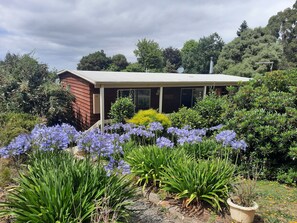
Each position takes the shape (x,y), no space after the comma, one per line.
(172,59)
(284,26)
(242,28)
(118,63)
(196,55)
(28,87)
(243,55)
(149,55)
(94,61)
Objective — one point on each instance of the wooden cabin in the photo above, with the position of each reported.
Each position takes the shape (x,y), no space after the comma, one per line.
(95,91)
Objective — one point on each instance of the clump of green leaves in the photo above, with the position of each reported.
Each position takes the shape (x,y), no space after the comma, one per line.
(121,110)
(199,181)
(186,117)
(148,162)
(287,176)
(59,188)
(205,149)
(212,109)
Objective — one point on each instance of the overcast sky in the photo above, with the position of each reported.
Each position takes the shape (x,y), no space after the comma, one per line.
(60,32)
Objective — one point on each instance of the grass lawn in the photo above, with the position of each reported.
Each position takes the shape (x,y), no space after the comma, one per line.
(278,202)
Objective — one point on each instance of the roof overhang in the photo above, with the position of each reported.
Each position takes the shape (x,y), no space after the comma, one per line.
(128,80)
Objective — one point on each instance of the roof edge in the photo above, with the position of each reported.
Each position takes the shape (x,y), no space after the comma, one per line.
(77,74)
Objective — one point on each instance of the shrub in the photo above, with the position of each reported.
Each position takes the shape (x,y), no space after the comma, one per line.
(269,135)
(288,177)
(121,110)
(212,109)
(59,188)
(145,117)
(203,181)
(186,117)
(14,124)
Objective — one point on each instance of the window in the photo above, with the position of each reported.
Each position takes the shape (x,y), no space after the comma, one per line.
(190,95)
(141,97)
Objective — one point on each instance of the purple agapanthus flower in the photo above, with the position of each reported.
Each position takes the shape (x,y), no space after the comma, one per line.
(141,132)
(241,144)
(18,146)
(121,166)
(226,137)
(50,138)
(71,132)
(217,127)
(4,153)
(156,126)
(163,142)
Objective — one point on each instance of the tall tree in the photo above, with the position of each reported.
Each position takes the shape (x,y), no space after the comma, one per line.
(196,55)
(118,63)
(28,87)
(94,61)
(284,27)
(241,56)
(242,28)
(149,55)
(172,59)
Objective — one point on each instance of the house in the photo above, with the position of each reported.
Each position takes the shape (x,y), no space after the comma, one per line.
(95,91)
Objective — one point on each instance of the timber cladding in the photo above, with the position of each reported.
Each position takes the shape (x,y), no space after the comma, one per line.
(83,106)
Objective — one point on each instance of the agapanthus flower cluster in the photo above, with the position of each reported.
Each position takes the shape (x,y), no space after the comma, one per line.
(141,131)
(120,166)
(18,146)
(163,142)
(96,143)
(186,135)
(118,127)
(71,132)
(217,127)
(228,138)
(156,126)
(50,138)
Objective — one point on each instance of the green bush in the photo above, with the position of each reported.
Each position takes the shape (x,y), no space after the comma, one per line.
(288,177)
(265,115)
(268,135)
(213,110)
(145,117)
(59,188)
(26,86)
(121,110)
(199,181)
(147,163)
(13,124)
(186,117)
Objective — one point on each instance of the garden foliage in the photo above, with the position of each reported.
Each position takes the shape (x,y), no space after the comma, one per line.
(145,117)
(186,117)
(26,86)
(60,188)
(14,124)
(264,115)
(199,181)
(121,110)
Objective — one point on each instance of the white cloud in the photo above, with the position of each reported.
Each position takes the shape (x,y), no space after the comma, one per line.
(61,32)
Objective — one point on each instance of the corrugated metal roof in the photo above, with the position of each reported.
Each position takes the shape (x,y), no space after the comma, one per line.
(106,77)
